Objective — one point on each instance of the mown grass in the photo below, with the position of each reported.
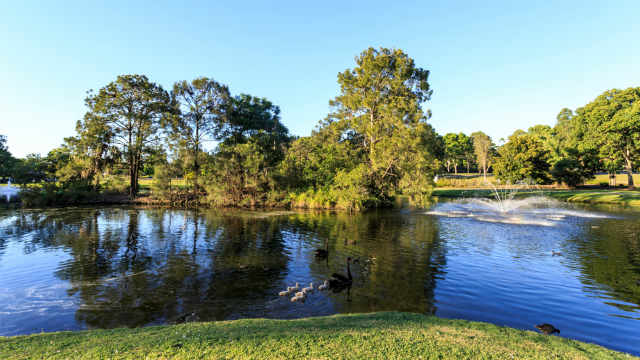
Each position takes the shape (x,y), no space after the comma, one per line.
(604,196)
(389,335)
(471,180)
(620,197)
(178,182)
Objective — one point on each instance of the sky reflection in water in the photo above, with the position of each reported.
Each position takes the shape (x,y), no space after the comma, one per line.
(77,268)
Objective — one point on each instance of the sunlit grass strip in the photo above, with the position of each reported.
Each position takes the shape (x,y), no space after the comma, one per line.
(387,335)
(472,180)
(620,197)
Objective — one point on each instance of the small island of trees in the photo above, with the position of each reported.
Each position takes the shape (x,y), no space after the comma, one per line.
(375,144)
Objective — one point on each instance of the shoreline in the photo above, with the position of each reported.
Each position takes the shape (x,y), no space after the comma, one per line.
(368,335)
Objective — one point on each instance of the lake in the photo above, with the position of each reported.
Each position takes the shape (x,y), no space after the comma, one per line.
(575,267)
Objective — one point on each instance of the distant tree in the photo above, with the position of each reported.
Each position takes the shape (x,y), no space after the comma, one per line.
(161,185)
(57,159)
(31,169)
(482,146)
(126,114)
(546,134)
(612,125)
(575,167)
(458,150)
(523,158)
(7,161)
(153,155)
(565,130)
(202,106)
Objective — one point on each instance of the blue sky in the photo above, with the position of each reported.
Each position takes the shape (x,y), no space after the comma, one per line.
(495,66)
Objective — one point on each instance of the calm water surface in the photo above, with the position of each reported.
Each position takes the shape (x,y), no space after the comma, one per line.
(81,268)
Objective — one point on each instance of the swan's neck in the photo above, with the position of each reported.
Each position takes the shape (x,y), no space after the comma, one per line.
(349,270)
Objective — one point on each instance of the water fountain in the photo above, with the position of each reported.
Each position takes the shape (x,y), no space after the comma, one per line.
(8,191)
(535,209)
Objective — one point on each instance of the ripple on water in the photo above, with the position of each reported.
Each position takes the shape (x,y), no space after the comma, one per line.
(81,268)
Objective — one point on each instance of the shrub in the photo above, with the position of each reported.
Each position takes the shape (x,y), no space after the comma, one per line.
(161,185)
(116,185)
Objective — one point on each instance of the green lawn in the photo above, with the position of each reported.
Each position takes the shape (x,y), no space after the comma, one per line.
(472,180)
(390,335)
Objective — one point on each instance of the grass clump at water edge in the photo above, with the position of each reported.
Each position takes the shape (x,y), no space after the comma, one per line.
(365,336)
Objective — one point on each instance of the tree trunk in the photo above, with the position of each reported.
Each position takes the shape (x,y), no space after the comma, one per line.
(196,165)
(629,169)
(131,165)
(455,167)
(132,179)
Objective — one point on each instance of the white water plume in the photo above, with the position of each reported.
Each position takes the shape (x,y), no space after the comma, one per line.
(536,210)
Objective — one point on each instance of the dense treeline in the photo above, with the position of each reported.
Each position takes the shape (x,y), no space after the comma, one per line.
(602,136)
(375,144)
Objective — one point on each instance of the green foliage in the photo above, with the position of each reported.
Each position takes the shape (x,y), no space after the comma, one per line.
(7,161)
(249,115)
(115,184)
(378,113)
(611,124)
(458,149)
(201,107)
(57,159)
(375,144)
(483,149)
(54,194)
(240,175)
(161,185)
(124,117)
(575,168)
(244,168)
(523,158)
(312,162)
(567,171)
(31,169)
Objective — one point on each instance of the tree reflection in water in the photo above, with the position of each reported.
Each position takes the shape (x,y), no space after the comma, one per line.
(134,267)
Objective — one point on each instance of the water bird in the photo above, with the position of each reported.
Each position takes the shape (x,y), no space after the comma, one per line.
(296,288)
(324,286)
(286,292)
(547,329)
(297,298)
(555,253)
(338,281)
(323,253)
(308,289)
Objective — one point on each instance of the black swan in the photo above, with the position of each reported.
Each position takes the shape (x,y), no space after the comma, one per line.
(547,329)
(339,282)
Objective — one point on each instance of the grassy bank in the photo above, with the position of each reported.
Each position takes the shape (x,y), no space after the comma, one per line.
(617,197)
(472,180)
(365,336)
